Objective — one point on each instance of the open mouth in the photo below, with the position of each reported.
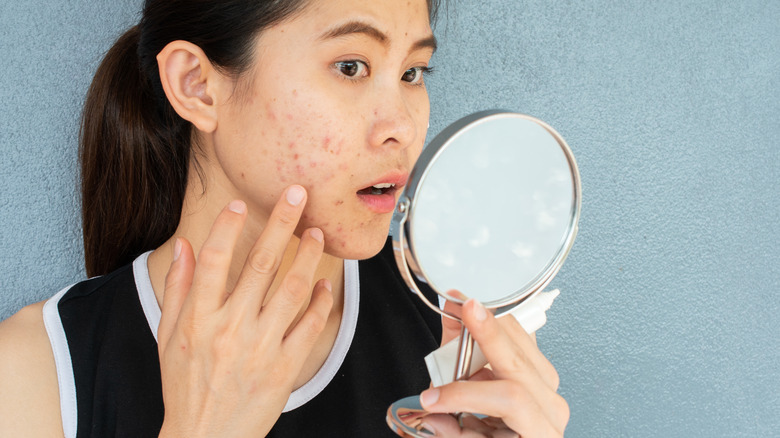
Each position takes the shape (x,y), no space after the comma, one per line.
(378,189)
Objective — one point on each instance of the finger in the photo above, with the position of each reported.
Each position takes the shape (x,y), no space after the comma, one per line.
(295,289)
(541,363)
(213,265)
(266,255)
(447,426)
(177,285)
(518,407)
(306,332)
(509,356)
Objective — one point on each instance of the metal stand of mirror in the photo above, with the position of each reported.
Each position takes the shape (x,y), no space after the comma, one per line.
(490,210)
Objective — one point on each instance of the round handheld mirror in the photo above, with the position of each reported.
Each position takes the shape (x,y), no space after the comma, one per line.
(490,210)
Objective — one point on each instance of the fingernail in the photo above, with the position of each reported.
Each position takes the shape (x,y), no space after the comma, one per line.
(316,233)
(295,195)
(458,295)
(479,311)
(427,429)
(429,397)
(237,206)
(327,285)
(176,249)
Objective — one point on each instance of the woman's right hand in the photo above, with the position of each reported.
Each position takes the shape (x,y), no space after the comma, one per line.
(228,361)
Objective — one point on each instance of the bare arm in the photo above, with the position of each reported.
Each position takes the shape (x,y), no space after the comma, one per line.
(30,401)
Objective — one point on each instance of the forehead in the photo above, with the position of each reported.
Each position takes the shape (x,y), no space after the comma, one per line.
(399,20)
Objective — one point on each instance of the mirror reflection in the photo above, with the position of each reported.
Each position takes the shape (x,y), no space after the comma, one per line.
(493,211)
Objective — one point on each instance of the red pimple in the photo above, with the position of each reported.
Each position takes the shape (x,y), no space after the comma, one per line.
(269,112)
(299,169)
(312,164)
(295,157)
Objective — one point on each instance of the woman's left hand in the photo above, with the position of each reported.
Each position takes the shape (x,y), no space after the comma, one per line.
(519,389)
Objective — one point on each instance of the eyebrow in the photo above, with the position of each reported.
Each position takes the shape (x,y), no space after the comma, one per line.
(359,27)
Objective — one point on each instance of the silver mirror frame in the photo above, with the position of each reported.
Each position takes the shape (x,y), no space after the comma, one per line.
(401,225)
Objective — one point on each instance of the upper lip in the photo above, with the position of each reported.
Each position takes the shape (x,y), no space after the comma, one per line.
(396,177)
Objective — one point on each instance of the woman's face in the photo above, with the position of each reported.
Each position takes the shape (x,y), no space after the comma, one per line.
(335,102)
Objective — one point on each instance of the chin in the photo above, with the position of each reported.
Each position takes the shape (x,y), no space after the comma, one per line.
(360,246)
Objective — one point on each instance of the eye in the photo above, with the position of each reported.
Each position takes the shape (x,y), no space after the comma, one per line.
(415,75)
(352,69)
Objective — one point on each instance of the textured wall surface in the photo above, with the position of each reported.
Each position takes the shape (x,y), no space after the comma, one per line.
(668,322)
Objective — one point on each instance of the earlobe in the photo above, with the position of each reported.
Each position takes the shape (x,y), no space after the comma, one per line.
(189,82)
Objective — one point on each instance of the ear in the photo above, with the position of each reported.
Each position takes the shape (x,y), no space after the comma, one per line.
(190,83)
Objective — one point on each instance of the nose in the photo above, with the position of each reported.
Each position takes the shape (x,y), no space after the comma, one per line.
(393,122)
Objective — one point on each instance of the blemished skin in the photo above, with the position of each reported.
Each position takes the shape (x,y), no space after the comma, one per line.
(252,280)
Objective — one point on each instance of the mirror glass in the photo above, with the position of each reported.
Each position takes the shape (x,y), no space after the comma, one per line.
(494,210)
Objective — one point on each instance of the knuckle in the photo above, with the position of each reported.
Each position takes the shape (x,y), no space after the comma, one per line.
(211,257)
(296,285)
(565,409)
(554,379)
(314,325)
(286,216)
(224,342)
(263,261)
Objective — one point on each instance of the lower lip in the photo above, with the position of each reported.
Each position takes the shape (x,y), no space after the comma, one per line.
(384,203)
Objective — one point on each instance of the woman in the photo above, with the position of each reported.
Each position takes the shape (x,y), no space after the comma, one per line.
(270,139)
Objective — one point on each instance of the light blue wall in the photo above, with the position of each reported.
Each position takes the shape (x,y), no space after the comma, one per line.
(668,323)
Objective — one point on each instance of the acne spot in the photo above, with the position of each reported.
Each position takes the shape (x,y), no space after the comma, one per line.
(295,92)
(299,169)
(312,164)
(340,229)
(295,157)
(343,166)
(337,150)
(326,143)
(289,116)
(291,145)
(269,112)
(243,176)
(339,202)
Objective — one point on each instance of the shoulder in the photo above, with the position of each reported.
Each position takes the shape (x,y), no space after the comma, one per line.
(28,377)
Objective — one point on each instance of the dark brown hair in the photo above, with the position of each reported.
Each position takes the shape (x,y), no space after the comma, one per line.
(134,149)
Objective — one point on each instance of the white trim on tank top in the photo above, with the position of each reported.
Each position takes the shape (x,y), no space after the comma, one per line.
(323,377)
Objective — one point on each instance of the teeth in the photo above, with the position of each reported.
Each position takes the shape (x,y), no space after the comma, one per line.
(383,186)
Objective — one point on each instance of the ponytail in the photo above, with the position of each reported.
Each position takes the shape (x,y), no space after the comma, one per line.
(134,154)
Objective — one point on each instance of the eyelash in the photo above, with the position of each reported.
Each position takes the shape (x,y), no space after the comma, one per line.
(338,66)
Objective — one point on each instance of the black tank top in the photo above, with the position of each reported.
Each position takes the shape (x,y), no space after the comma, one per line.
(103,334)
